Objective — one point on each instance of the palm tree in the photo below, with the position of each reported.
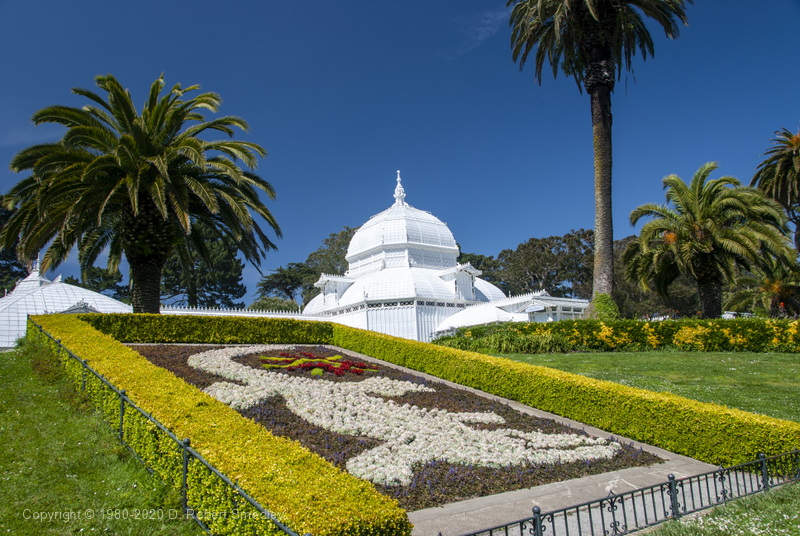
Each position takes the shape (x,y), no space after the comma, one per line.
(592,41)
(135,184)
(779,176)
(772,286)
(704,231)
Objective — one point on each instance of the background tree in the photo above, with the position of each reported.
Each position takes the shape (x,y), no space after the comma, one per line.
(680,300)
(706,229)
(329,258)
(133,184)
(272,303)
(592,40)
(558,264)
(210,280)
(11,270)
(101,281)
(298,278)
(779,176)
(770,288)
(285,282)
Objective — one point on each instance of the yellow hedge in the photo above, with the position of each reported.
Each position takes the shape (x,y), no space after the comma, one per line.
(304,491)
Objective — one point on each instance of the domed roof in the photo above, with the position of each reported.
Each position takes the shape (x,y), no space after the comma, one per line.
(399,225)
(38,295)
(397,284)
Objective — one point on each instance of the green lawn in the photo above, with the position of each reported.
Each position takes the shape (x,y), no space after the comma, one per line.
(774,512)
(760,383)
(63,470)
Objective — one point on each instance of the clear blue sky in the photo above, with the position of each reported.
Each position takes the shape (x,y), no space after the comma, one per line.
(342,94)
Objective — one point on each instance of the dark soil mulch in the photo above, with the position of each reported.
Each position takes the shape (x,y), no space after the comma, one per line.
(435,483)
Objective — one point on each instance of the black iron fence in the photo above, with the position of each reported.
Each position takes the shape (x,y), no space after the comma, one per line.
(638,509)
(236,495)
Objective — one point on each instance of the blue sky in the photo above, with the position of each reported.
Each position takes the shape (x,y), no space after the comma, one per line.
(343,94)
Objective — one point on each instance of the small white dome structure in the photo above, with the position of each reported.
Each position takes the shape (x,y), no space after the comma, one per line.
(403,277)
(36,295)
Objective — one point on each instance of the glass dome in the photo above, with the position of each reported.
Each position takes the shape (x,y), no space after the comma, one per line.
(401,236)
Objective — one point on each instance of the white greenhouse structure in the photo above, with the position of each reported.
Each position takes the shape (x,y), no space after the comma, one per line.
(404,280)
(36,295)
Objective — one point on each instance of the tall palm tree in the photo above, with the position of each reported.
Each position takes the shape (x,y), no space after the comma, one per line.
(771,286)
(134,184)
(704,231)
(779,176)
(593,41)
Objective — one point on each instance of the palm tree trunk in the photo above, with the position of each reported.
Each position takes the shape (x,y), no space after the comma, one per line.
(146,283)
(603,221)
(774,307)
(710,297)
(191,288)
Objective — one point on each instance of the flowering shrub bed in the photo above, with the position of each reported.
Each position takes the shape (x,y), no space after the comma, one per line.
(741,334)
(392,428)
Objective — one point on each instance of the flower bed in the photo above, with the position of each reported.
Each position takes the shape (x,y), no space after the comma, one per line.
(708,432)
(335,365)
(425,444)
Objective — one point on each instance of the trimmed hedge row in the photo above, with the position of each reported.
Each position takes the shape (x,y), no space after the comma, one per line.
(303,490)
(743,335)
(150,328)
(708,432)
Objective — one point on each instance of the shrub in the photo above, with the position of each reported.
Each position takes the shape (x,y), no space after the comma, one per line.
(149,328)
(605,308)
(744,335)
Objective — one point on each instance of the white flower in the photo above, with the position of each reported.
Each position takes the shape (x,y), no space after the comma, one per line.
(411,435)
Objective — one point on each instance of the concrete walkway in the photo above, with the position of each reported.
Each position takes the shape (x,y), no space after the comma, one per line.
(485,512)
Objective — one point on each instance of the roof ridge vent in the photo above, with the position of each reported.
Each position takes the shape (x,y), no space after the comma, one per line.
(399,192)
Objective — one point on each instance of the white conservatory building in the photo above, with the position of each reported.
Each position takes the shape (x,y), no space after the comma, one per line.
(36,295)
(404,280)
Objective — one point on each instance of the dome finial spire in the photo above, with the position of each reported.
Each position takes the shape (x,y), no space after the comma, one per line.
(399,193)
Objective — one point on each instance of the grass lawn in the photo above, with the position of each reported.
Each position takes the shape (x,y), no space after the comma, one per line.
(63,470)
(775,512)
(760,383)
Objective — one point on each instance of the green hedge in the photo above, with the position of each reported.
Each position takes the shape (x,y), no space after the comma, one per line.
(304,491)
(708,432)
(149,328)
(744,335)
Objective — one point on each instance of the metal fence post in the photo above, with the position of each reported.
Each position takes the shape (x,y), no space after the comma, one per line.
(121,413)
(83,375)
(795,470)
(673,497)
(764,472)
(184,486)
(537,521)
